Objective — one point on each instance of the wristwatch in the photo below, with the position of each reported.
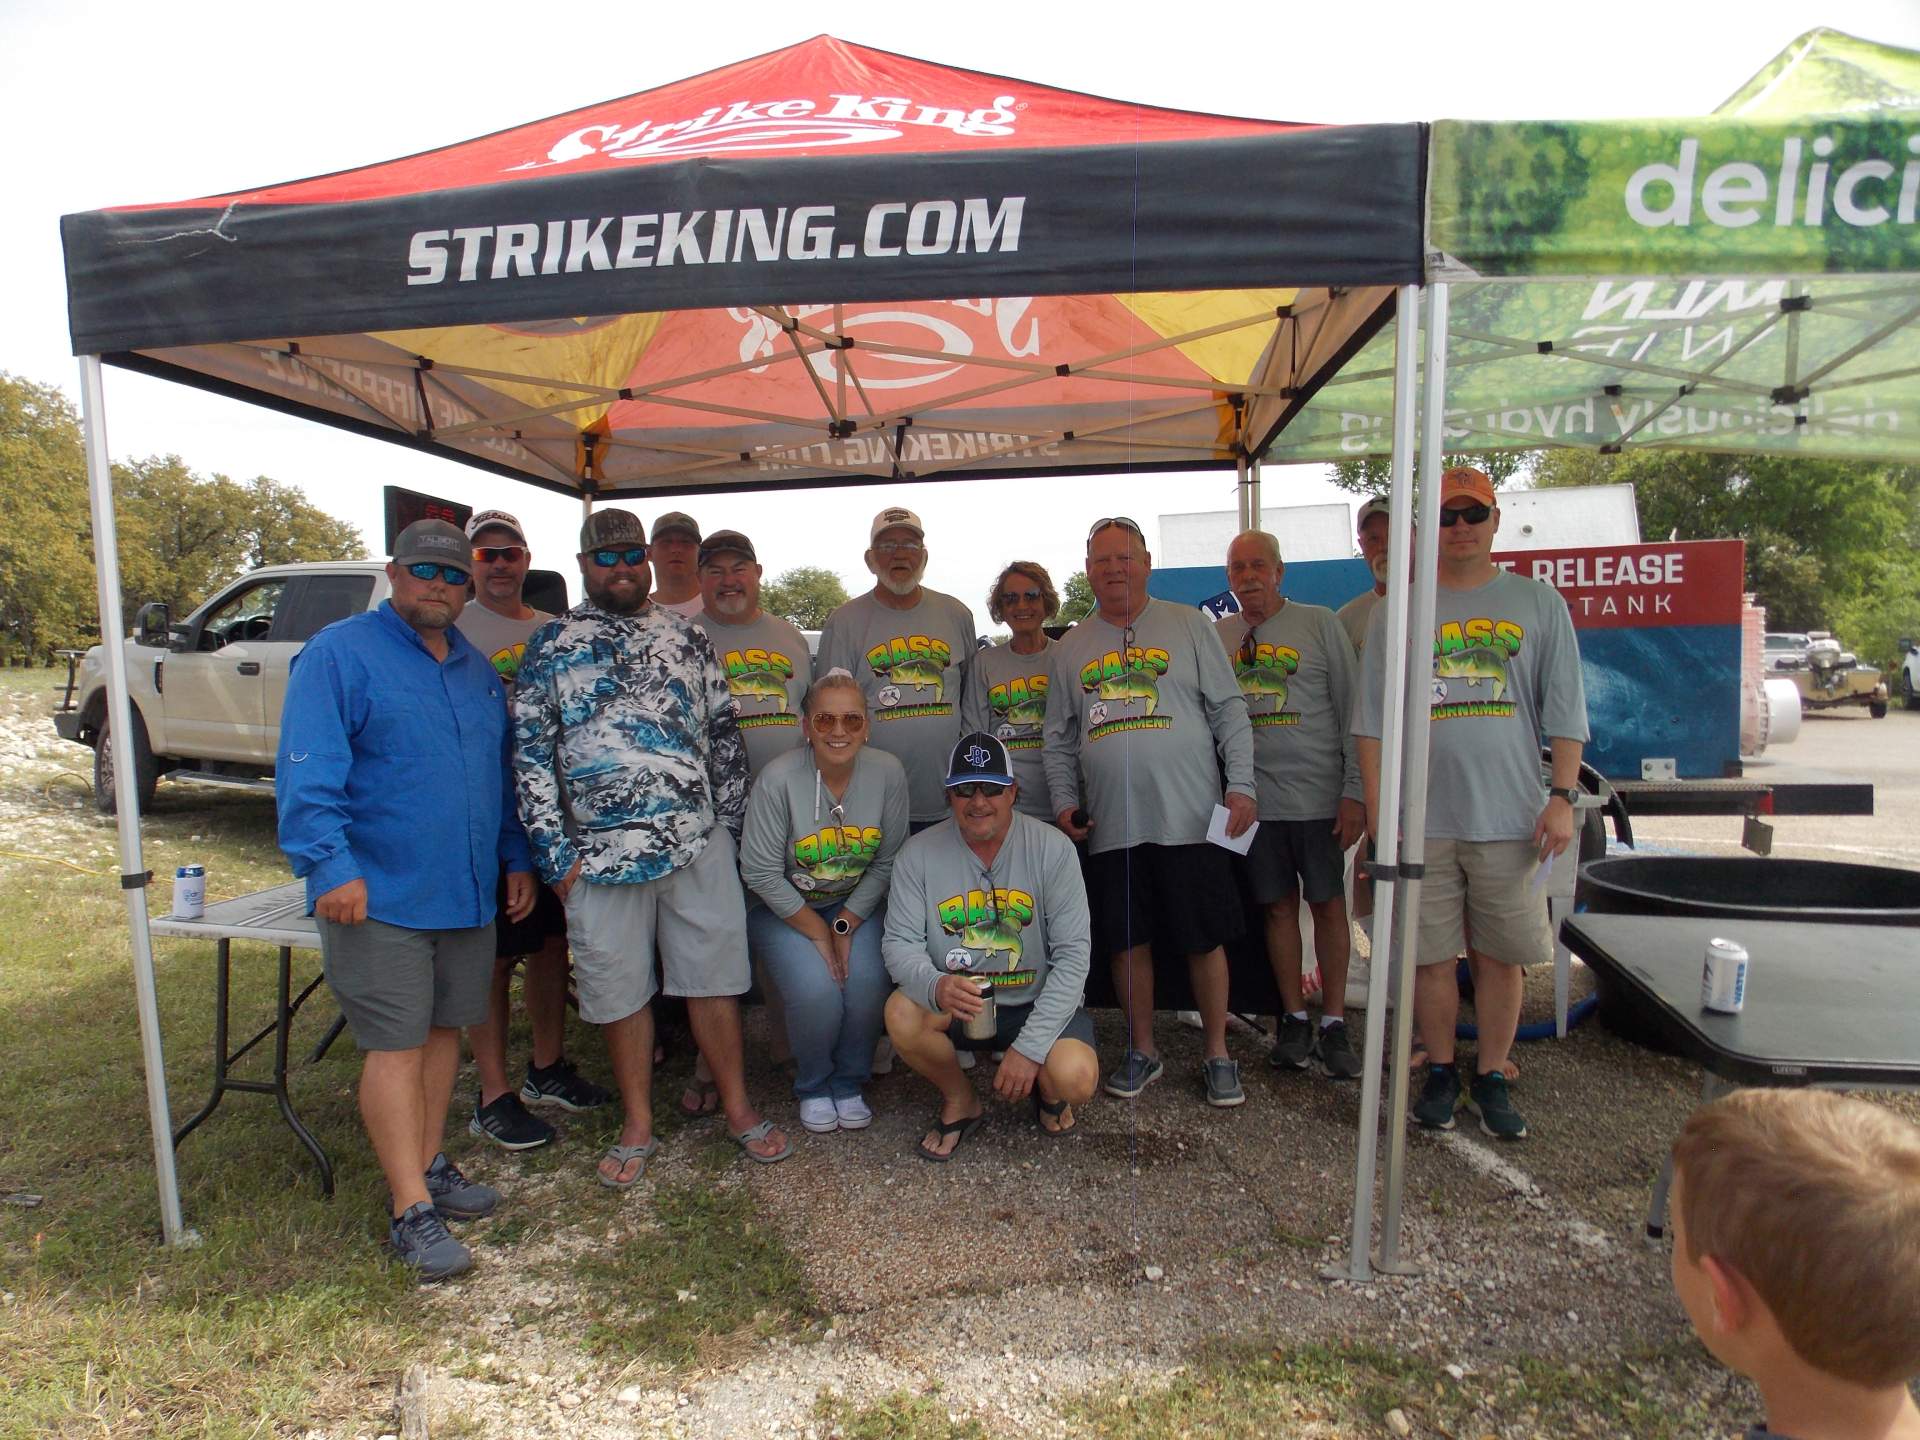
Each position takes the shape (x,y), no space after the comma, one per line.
(1569,793)
(842,925)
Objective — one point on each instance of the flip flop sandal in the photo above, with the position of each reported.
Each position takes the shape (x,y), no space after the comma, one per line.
(961,1128)
(623,1156)
(1056,1109)
(745,1138)
(706,1098)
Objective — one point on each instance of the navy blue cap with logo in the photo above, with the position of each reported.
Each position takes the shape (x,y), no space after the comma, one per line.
(979,757)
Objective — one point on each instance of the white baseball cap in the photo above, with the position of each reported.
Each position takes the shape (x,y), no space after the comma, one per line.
(896,517)
(495,520)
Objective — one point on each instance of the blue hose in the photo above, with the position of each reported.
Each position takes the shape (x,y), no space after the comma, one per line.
(1539,1029)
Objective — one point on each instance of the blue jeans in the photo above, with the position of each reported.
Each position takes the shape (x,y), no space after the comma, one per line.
(832,1028)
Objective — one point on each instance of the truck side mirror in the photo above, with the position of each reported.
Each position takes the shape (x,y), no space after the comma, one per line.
(1906,644)
(151,624)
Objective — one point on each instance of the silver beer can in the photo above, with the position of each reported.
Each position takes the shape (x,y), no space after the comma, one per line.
(189,892)
(1723,980)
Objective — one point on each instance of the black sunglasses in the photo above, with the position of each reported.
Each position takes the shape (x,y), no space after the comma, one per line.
(607,559)
(487,554)
(1014,597)
(1472,514)
(977,787)
(427,570)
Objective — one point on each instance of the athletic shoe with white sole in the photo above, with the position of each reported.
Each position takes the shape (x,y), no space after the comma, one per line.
(560,1084)
(509,1124)
(853,1112)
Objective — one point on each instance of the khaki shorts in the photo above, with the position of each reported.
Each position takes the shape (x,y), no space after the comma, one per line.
(1488,884)
(694,920)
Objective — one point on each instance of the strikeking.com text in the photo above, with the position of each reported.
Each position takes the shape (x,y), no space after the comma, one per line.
(714,237)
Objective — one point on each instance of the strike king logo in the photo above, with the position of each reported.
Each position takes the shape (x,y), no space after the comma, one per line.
(1019,709)
(799,124)
(760,678)
(1131,680)
(911,662)
(831,861)
(1263,672)
(986,927)
(1470,660)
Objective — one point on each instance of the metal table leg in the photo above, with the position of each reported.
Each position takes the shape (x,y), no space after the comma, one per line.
(1711,1089)
(222,959)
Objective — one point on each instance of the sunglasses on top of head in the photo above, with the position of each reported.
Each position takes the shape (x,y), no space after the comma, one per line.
(977,787)
(1472,514)
(427,570)
(1111,520)
(627,555)
(487,554)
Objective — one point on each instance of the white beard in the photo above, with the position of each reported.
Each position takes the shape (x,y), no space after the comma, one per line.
(902,588)
(1379,568)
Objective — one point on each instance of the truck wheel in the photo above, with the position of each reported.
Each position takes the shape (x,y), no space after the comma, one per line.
(1877,709)
(1907,697)
(146,773)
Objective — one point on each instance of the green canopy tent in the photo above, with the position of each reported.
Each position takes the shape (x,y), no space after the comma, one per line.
(1748,281)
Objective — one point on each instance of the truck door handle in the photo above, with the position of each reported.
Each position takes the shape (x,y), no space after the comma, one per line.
(249,667)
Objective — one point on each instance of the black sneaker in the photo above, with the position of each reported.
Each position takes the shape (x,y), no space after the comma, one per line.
(419,1239)
(560,1084)
(509,1124)
(1336,1052)
(1439,1098)
(1489,1100)
(1292,1044)
(455,1196)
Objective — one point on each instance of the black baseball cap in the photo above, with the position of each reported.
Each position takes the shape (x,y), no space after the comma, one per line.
(979,757)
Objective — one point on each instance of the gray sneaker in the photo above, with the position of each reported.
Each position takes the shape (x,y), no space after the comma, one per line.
(1292,1044)
(1223,1083)
(420,1240)
(454,1196)
(1336,1053)
(1136,1072)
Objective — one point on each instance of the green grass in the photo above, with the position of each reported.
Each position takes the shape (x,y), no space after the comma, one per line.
(899,1416)
(708,1274)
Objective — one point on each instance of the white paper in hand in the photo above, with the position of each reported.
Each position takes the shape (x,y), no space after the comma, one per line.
(1217,832)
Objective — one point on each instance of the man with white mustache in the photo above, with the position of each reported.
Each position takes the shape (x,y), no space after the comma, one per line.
(1370,527)
(909,647)
(765,656)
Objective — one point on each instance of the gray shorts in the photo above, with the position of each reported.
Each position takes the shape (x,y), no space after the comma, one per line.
(694,919)
(394,984)
(1485,887)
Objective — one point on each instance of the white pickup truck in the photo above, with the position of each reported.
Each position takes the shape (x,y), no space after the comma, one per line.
(207,693)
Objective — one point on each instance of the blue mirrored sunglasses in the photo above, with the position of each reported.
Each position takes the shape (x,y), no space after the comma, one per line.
(607,559)
(427,570)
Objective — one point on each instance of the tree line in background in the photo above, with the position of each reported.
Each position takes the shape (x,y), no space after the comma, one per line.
(181,536)
(1831,544)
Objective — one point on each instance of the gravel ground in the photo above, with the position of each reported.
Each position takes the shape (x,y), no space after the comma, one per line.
(1030,1270)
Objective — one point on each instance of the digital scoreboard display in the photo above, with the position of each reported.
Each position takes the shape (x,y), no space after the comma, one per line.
(406,506)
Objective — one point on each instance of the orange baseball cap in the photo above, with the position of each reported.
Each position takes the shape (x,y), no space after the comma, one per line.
(1464,482)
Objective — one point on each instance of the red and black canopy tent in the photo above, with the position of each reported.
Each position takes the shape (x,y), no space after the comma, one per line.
(826,265)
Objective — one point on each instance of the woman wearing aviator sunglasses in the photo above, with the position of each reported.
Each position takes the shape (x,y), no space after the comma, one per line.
(823,824)
(1006,691)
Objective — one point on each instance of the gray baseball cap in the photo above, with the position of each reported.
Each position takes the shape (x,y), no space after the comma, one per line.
(433,542)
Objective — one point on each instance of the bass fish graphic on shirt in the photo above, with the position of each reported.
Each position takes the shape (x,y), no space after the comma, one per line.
(1471,659)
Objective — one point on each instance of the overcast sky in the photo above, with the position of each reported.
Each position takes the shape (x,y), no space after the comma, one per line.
(108,104)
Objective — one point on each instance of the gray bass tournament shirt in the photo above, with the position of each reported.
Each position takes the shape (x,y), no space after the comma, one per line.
(1506,673)
(1145,721)
(1021,923)
(1297,672)
(1006,696)
(501,640)
(1355,614)
(768,671)
(913,666)
(802,847)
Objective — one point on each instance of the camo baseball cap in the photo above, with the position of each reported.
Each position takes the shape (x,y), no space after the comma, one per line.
(721,540)
(979,757)
(612,529)
(674,520)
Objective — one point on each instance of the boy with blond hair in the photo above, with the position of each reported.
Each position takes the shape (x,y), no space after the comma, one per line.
(1796,1254)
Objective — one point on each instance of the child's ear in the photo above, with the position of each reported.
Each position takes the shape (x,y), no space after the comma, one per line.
(1733,1298)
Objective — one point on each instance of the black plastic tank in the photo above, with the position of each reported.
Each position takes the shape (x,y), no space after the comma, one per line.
(1814,892)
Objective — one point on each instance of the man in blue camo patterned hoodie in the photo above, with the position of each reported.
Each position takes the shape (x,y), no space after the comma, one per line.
(631,778)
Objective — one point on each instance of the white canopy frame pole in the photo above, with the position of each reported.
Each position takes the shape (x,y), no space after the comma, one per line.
(1413,842)
(126,800)
(1253,497)
(1394,639)
(1241,494)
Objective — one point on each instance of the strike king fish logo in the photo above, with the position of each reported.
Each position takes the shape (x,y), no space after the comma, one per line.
(1475,653)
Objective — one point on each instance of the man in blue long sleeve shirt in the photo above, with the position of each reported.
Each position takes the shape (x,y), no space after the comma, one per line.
(396,807)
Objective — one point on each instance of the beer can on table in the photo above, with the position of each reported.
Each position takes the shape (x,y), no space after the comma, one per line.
(189,892)
(1723,981)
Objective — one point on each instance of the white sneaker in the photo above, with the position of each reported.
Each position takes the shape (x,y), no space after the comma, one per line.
(883,1057)
(966,1058)
(820,1115)
(853,1112)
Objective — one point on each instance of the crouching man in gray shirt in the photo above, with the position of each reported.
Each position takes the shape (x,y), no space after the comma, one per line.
(990,898)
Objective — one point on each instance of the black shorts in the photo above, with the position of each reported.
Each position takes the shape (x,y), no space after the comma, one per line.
(514,938)
(1008,1020)
(1180,899)
(1295,855)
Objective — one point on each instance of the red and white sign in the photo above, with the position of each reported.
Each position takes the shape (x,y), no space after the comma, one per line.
(1682,582)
